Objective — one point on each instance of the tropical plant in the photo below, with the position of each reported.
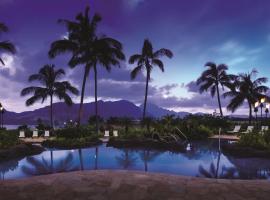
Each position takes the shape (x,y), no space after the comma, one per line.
(246,89)
(148,59)
(6,46)
(88,49)
(106,52)
(81,33)
(213,77)
(48,78)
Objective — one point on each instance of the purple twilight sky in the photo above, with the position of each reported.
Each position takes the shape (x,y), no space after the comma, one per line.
(234,32)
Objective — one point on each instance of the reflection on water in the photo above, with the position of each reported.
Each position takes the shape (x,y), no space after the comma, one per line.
(201,159)
(6,167)
(43,166)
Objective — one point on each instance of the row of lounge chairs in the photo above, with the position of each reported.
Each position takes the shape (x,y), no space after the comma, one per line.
(107,133)
(47,134)
(35,134)
(237,129)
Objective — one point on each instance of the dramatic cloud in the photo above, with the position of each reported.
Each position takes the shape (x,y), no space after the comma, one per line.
(236,34)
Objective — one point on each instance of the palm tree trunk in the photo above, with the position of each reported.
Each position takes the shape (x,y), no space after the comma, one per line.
(146,94)
(82,97)
(51,161)
(51,111)
(96,103)
(219,103)
(81,159)
(250,113)
(218,161)
(96,159)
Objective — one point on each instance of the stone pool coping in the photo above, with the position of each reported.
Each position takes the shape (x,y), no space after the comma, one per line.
(108,184)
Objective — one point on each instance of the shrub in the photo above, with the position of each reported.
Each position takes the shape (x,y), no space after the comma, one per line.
(72,142)
(133,133)
(75,132)
(253,140)
(8,138)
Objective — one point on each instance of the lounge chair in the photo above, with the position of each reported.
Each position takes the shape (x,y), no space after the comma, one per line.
(264,129)
(35,133)
(249,129)
(235,130)
(47,134)
(115,133)
(22,134)
(107,134)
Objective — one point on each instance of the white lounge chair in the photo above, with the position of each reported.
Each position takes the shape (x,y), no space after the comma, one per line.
(107,134)
(235,130)
(115,133)
(47,134)
(249,129)
(22,134)
(35,133)
(264,129)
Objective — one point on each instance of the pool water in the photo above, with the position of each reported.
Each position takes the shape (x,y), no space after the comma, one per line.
(202,159)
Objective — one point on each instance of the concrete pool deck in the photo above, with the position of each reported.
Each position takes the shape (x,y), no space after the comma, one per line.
(118,185)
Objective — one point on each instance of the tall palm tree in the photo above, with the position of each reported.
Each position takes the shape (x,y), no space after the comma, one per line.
(48,78)
(6,46)
(212,77)
(106,52)
(148,59)
(246,89)
(81,33)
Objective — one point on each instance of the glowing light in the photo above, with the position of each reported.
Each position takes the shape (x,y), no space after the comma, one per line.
(262,100)
(256,104)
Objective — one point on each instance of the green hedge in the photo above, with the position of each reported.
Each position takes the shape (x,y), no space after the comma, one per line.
(75,132)
(255,140)
(8,138)
(72,142)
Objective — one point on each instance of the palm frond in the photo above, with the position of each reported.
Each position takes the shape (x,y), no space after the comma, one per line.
(147,48)
(159,63)
(134,58)
(62,46)
(7,47)
(135,72)
(163,52)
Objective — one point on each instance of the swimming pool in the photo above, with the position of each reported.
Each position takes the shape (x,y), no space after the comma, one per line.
(203,159)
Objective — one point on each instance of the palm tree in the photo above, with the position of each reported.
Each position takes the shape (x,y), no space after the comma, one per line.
(81,33)
(6,46)
(148,59)
(212,77)
(47,77)
(246,89)
(106,52)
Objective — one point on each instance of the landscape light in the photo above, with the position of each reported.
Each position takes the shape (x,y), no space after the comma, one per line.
(256,104)
(262,100)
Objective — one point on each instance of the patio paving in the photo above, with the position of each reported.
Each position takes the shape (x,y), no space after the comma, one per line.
(101,185)
(225,137)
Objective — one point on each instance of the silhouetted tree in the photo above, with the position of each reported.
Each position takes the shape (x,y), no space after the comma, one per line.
(148,59)
(212,77)
(47,77)
(246,89)
(6,46)
(81,33)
